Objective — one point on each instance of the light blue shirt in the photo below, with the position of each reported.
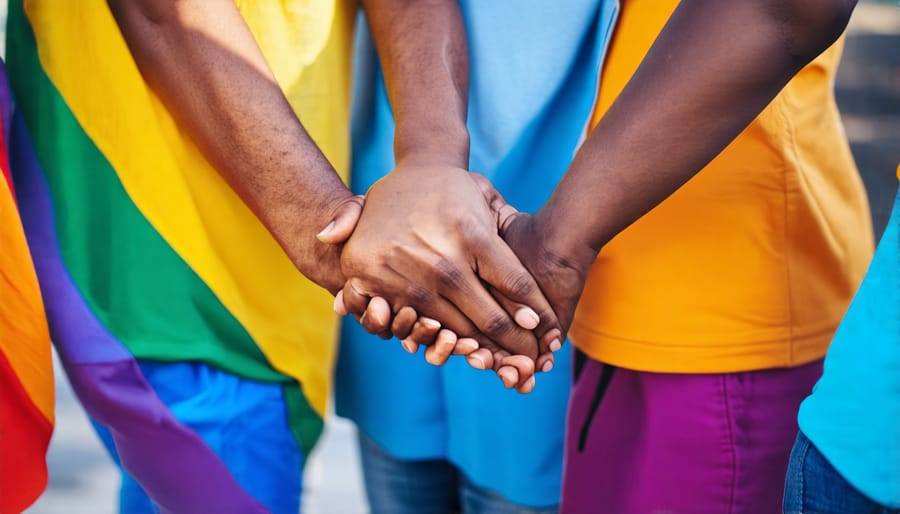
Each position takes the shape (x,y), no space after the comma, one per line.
(853,414)
(534,77)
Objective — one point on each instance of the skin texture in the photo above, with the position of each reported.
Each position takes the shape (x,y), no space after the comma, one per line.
(437,254)
(433,254)
(204,67)
(705,78)
(260,147)
(713,68)
(200,58)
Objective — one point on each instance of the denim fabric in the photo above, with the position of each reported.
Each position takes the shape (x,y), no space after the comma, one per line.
(813,486)
(852,415)
(397,486)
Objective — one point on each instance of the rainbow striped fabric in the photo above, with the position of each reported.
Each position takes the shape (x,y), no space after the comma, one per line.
(26,374)
(144,252)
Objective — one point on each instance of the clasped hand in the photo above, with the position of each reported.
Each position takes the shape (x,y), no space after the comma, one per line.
(426,263)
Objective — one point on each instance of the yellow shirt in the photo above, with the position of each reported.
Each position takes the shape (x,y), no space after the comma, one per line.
(753,262)
(307,44)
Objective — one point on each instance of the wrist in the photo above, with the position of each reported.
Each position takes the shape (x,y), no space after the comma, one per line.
(305,218)
(331,201)
(446,146)
(316,258)
(561,237)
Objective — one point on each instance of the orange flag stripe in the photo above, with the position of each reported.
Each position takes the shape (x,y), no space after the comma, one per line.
(24,336)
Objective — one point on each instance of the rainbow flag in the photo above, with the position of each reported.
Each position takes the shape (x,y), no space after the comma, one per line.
(144,252)
(26,372)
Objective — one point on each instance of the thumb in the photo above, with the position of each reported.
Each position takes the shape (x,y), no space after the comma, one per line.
(344,222)
(502,211)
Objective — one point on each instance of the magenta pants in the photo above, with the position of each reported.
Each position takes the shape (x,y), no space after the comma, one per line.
(660,443)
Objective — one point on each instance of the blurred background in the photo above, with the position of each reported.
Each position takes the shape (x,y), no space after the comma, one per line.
(83,480)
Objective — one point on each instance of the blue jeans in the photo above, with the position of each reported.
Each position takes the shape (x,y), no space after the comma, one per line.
(397,486)
(813,486)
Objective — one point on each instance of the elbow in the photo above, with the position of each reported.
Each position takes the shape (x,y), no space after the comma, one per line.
(811,26)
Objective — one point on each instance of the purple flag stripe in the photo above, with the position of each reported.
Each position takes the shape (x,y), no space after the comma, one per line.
(171,462)
(6,103)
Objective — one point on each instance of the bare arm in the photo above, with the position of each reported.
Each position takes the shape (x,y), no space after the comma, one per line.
(424,56)
(443,246)
(715,65)
(713,68)
(200,58)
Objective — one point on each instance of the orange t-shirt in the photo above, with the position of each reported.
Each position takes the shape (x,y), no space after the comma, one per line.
(753,262)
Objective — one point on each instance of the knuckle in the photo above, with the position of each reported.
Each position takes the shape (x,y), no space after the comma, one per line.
(418,295)
(448,274)
(519,284)
(497,325)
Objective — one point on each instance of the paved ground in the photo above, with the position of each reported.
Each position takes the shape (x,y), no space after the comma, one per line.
(83,481)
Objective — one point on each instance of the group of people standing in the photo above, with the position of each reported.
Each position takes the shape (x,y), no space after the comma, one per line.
(697,233)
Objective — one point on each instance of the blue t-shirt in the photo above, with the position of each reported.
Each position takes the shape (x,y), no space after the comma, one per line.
(853,414)
(534,73)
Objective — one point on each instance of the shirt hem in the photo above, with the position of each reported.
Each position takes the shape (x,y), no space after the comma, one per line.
(719,357)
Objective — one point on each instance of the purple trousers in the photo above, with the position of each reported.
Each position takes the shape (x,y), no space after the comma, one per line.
(659,443)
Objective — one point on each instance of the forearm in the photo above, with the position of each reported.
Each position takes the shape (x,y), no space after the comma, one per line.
(200,58)
(713,68)
(424,57)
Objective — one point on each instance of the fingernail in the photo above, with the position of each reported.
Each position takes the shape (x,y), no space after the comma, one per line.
(409,346)
(527,318)
(325,231)
(555,345)
(529,385)
(338,304)
(507,380)
(476,361)
(430,323)
(547,366)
